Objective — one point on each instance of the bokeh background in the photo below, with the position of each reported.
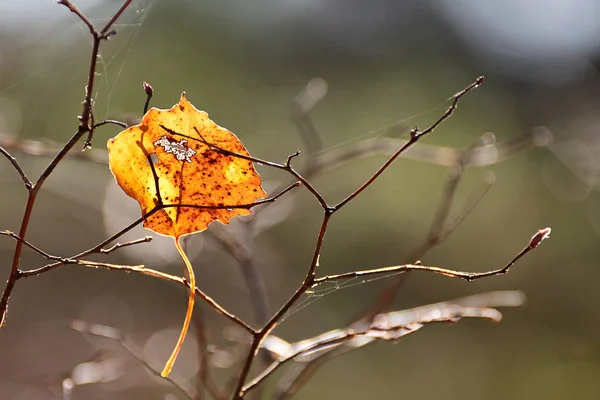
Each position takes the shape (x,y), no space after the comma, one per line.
(386,66)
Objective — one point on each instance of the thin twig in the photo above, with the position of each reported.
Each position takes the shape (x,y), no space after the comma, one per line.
(287,166)
(31,246)
(126,244)
(104,32)
(150,162)
(95,249)
(109,121)
(414,137)
(127,268)
(49,149)
(79,14)
(15,164)
(246,206)
(140,269)
(467,276)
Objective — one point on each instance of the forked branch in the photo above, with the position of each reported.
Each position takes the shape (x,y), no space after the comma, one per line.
(310,277)
(85,126)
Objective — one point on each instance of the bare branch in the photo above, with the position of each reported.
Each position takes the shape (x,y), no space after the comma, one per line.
(467,276)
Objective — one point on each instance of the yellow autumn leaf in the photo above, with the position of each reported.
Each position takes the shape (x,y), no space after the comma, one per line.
(187,170)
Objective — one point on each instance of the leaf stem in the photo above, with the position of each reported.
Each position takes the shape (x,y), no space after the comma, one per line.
(188,315)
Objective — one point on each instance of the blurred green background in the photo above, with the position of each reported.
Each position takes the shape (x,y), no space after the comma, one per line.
(385,63)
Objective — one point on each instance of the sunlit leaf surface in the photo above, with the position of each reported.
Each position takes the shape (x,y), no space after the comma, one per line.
(183,145)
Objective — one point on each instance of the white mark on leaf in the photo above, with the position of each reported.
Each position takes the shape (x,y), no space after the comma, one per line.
(178,149)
